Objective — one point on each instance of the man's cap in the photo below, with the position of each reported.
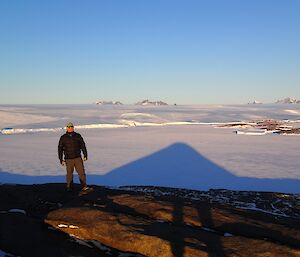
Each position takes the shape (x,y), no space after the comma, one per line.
(69,125)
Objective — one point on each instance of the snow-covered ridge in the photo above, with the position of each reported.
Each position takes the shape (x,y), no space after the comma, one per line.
(123,124)
(254,132)
(256,128)
(10,131)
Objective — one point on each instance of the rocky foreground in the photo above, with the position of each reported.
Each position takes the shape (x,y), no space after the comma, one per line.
(45,220)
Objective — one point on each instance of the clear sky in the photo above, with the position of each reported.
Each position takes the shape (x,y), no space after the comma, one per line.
(188,51)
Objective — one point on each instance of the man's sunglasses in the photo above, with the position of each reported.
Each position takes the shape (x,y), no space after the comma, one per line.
(70,126)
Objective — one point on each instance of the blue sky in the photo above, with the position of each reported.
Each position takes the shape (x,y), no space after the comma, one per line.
(188,51)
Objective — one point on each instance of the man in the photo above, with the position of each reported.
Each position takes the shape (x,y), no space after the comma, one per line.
(69,153)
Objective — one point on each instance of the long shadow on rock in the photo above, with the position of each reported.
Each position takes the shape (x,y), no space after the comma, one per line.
(179,165)
(262,233)
(214,243)
(26,236)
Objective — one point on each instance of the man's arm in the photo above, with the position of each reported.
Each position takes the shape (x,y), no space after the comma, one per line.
(60,149)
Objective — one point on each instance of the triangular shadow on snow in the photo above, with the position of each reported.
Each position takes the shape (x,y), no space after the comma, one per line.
(178,165)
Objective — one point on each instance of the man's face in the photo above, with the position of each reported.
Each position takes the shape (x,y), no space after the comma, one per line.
(70,129)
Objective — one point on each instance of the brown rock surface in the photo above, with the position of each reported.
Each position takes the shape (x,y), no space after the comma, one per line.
(110,222)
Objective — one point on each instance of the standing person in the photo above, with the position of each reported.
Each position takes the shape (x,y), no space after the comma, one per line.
(69,153)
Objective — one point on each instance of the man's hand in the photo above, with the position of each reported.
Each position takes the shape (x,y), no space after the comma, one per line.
(85,158)
(62,162)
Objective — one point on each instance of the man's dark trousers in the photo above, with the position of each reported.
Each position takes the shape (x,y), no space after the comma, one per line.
(76,163)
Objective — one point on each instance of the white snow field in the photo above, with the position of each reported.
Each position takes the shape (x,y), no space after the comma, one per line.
(175,146)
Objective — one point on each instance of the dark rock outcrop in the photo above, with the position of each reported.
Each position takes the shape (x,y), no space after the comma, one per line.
(45,220)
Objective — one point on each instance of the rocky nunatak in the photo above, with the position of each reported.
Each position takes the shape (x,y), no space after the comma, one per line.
(45,220)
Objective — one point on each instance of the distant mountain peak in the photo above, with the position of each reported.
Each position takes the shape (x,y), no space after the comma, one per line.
(288,100)
(255,102)
(152,103)
(101,102)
